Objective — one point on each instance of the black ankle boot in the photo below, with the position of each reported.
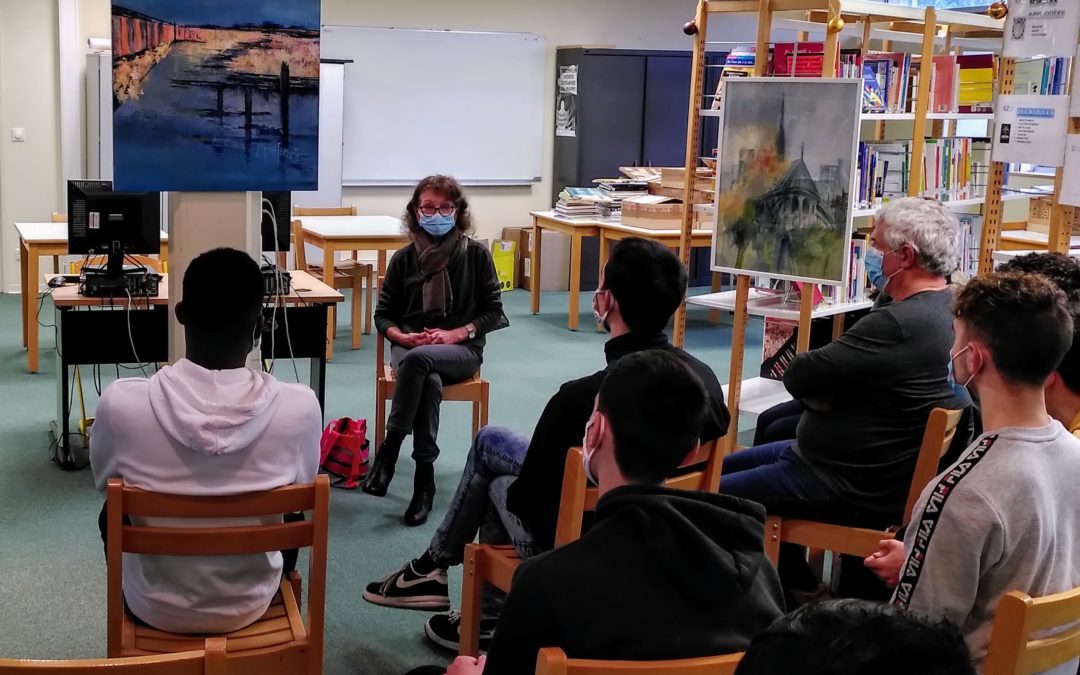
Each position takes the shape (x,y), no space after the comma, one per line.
(382,470)
(423,497)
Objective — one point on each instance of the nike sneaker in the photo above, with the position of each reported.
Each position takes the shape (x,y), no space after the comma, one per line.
(407,589)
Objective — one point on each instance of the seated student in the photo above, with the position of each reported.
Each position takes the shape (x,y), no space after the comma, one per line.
(207,426)
(511,485)
(661,574)
(1006,515)
(868,394)
(1063,387)
(855,637)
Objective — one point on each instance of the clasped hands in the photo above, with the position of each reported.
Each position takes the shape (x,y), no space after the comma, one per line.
(430,336)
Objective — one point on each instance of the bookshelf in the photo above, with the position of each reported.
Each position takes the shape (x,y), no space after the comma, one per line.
(934,33)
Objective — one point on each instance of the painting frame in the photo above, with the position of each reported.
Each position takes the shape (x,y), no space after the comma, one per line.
(841,91)
(215,97)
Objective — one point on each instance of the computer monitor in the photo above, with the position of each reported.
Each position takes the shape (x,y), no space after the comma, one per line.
(103,222)
(282,202)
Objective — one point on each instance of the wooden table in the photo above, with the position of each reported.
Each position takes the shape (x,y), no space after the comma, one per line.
(613,232)
(37,240)
(96,331)
(577,229)
(352,233)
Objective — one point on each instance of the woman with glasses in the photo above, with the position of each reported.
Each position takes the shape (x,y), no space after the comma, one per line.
(439,300)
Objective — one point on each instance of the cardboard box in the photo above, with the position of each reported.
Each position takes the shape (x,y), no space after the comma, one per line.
(555,261)
(504,253)
(675,178)
(659,216)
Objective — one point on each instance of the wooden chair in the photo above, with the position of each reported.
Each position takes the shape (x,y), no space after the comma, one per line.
(58,218)
(940,430)
(475,390)
(553,661)
(1013,650)
(347,274)
(208,661)
(495,565)
(279,642)
(99,261)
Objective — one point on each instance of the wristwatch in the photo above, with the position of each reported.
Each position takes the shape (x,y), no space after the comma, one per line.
(471,328)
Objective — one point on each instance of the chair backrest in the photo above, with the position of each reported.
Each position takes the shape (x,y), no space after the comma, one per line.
(211,661)
(100,260)
(218,541)
(298,245)
(940,430)
(1013,650)
(59,217)
(324,211)
(699,471)
(553,661)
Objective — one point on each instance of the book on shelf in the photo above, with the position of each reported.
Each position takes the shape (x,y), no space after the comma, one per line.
(882,172)
(1047,76)
(891,70)
(738,63)
(850,64)
(857,281)
(801,59)
(943,84)
(969,241)
(955,168)
(873,100)
(975,83)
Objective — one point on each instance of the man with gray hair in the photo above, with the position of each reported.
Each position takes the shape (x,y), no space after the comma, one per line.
(867,395)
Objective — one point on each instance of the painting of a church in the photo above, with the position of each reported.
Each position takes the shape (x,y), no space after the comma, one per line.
(783,202)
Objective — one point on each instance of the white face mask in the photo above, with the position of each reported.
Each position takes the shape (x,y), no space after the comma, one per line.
(587,453)
(952,362)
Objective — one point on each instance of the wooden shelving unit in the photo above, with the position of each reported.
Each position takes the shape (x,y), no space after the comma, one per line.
(931,29)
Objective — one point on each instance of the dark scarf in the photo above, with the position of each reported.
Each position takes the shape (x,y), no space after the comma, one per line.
(435,257)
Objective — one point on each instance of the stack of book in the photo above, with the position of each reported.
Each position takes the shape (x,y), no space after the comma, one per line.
(617,190)
(955,168)
(580,202)
(882,172)
(1041,76)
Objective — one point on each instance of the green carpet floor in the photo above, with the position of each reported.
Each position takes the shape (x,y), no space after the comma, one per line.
(52,572)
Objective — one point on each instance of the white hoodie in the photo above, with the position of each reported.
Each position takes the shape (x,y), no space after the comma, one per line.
(192,431)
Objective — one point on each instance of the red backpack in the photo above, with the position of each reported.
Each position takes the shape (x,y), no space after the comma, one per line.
(345,452)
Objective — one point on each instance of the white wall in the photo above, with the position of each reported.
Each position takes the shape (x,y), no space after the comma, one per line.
(642,24)
(29,95)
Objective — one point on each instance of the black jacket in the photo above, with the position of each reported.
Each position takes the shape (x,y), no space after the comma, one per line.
(662,574)
(534,496)
(476,295)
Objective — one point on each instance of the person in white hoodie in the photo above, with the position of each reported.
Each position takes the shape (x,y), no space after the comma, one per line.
(207,425)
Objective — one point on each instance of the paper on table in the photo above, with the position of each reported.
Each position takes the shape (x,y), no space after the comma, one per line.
(1030,128)
(1041,28)
(1070,175)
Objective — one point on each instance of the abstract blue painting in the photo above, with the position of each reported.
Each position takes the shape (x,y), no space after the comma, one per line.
(213,95)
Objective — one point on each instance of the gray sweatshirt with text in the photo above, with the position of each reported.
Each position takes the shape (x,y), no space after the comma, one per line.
(1004,517)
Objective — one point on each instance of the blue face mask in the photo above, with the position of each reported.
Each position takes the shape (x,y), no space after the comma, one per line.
(437,225)
(874,259)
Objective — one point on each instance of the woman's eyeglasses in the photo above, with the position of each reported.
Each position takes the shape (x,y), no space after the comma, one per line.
(444,210)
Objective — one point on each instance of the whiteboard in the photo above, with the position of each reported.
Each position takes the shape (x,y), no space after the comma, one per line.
(419,102)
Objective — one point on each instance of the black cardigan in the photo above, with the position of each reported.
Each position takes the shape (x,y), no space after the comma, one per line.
(476,295)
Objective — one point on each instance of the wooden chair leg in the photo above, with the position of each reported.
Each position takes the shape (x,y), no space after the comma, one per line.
(486,405)
(370,309)
(357,296)
(380,417)
(297,584)
(472,586)
(772,539)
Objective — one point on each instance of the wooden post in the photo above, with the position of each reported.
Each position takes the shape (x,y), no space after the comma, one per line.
(922,103)
(992,211)
(693,130)
(764,28)
(735,364)
(285,104)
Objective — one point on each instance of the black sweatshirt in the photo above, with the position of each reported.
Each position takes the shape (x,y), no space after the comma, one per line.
(534,496)
(868,396)
(476,295)
(662,574)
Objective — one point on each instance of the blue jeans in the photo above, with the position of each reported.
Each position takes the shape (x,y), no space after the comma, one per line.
(774,476)
(479,504)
